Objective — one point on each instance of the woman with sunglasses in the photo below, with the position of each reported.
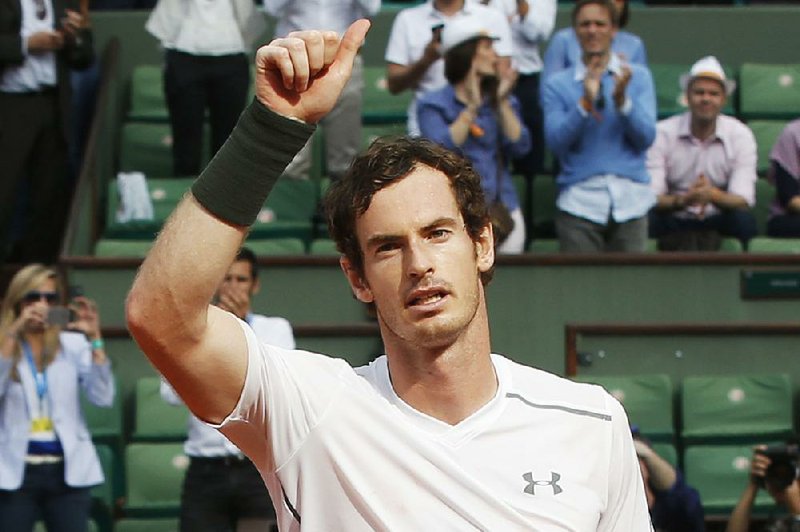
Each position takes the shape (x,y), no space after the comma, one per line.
(47,460)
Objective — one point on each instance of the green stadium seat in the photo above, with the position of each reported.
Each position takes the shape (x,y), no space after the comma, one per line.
(370,132)
(670,97)
(730,245)
(277,246)
(720,474)
(105,423)
(155,419)
(323,246)
(164,194)
(543,204)
(147,148)
(765,193)
(764,244)
(766,133)
(109,247)
(736,408)
(104,493)
(380,106)
(289,210)
(147,94)
(154,476)
(147,525)
(769,91)
(647,400)
(543,245)
(40,527)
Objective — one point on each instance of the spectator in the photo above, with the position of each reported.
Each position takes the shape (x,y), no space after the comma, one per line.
(703,168)
(47,460)
(205,65)
(674,505)
(477,115)
(39,41)
(564,50)
(785,494)
(784,173)
(342,126)
(600,118)
(531,25)
(413,53)
(222,487)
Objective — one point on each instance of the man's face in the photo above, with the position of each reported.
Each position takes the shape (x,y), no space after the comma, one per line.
(594,29)
(236,289)
(421,268)
(706,98)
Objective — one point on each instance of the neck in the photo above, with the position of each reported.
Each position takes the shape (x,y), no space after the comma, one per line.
(448,382)
(703,129)
(35,341)
(599,60)
(448,7)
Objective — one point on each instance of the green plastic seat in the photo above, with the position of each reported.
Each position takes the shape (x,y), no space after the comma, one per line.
(40,527)
(165,194)
(736,408)
(277,246)
(147,525)
(105,423)
(766,133)
(323,246)
(730,245)
(764,244)
(154,474)
(109,247)
(147,147)
(147,94)
(769,91)
(155,419)
(720,474)
(543,204)
(647,400)
(371,132)
(289,210)
(543,245)
(378,104)
(104,493)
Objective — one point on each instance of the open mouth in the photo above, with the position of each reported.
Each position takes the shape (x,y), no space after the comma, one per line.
(423,298)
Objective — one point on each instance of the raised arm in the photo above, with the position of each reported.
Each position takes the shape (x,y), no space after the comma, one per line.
(201,349)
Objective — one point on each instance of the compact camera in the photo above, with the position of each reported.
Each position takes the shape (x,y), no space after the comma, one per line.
(783,467)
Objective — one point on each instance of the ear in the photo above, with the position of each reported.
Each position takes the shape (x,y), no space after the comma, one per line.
(357,284)
(484,248)
(255,288)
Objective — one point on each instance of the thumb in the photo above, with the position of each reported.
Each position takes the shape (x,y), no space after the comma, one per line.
(352,41)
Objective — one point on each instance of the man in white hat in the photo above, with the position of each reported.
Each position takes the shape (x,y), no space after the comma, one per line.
(703,167)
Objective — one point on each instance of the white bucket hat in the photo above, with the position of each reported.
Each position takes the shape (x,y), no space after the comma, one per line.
(464,29)
(708,68)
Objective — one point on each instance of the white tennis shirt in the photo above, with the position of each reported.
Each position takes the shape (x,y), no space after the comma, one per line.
(339,450)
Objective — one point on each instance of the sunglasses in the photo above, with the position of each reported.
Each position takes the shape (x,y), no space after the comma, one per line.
(35,296)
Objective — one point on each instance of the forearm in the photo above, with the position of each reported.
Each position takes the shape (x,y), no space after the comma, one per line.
(510,124)
(794,205)
(727,201)
(671,202)
(460,128)
(405,77)
(740,517)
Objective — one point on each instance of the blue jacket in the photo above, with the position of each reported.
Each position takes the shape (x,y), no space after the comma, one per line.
(71,368)
(439,108)
(616,144)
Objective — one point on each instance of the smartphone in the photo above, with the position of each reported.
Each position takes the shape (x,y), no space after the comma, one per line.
(58,315)
(437,32)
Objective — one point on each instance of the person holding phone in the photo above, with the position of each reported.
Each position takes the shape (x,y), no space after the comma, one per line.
(47,460)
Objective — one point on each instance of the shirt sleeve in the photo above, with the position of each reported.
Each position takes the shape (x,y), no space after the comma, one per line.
(539,22)
(743,176)
(398,49)
(657,162)
(284,397)
(626,504)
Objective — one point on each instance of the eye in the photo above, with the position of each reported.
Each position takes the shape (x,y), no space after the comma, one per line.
(439,234)
(386,247)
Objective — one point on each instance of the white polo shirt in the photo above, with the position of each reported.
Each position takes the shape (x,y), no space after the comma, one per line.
(339,450)
(411,33)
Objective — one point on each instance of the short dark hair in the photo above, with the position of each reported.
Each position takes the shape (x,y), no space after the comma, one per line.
(246,254)
(607,4)
(458,60)
(387,161)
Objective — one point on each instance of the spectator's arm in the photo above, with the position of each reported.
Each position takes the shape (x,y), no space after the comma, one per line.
(555,58)
(369,8)
(517,135)
(537,25)
(564,120)
(403,70)
(639,55)
(405,77)
(434,125)
(787,188)
(741,190)
(740,518)
(638,114)
(662,474)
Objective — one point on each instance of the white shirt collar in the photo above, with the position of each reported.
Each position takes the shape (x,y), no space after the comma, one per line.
(614,66)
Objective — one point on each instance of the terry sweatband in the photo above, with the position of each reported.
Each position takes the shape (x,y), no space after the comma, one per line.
(236,182)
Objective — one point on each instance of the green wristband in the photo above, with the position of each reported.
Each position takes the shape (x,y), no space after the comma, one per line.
(236,182)
(98,344)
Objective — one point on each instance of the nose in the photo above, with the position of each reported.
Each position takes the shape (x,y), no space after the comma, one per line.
(419,261)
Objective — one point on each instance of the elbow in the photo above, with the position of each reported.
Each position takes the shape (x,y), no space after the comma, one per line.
(135,313)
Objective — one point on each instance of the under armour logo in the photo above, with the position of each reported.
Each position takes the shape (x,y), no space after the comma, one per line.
(553,483)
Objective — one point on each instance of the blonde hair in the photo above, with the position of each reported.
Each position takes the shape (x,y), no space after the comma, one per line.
(28,278)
